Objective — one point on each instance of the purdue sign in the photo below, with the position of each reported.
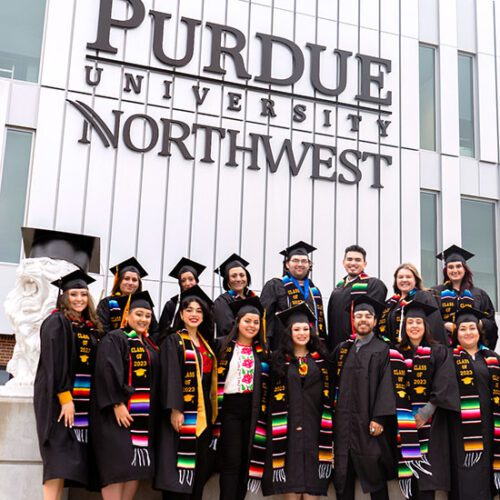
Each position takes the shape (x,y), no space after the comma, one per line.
(228,42)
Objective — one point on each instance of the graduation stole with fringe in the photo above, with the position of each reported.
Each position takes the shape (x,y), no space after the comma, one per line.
(85,354)
(359,286)
(195,415)
(139,404)
(279,424)
(470,407)
(451,302)
(295,296)
(394,302)
(115,311)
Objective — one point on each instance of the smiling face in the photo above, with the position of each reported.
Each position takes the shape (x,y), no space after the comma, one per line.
(78,300)
(364,322)
(129,283)
(455,271)
(186,281)
(301,334)
(248,327)
(139,319)
(415,329)
(468,335)
(354,263)
(192,315)
(298,266)
(405,281)
(237,279)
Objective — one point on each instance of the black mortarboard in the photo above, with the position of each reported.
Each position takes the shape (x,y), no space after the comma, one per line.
(232,261)
(364,302)
(141,299)
(454,254)
(196,291)
(296,314)
(469,314)
(75,279)
(416,309)
(81,250)
(248,305)
(131,264)
(187,265)
(299,248)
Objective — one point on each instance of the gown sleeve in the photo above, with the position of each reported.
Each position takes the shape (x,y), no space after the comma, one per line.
(103,314)
(385,400)
(171,374)
(154,329)
(490,327)
(377,289)
(166,317)
(444,389)
(111,371)
(434,319)
(224,319)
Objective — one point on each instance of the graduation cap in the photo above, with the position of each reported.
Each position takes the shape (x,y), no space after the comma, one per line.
(74,280)
(364,302)
(300,313)
(251,305)
(299,248)
(81,250)
(131,264)
(197,292)
(454,254)
(231,262)
(140,299)
(416,309)
(186,265)
(469,314)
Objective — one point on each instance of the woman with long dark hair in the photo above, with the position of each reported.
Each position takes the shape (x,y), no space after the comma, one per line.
(242,371)
(188,393)
(124,402)
(236,281)
(433,396)
(68,341)
(458,291)
(408,286)
(299,429)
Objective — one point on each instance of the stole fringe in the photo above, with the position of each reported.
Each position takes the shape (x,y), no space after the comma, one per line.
(325,471)
(496,478)
(472,459)
(141,457)
(253,485)
(213,444)
(81,435)
(279,476)
(186,476)
(405,485)
(418,465)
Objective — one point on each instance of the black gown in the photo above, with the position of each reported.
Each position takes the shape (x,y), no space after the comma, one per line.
(223,316)
(111,443)
(167,316)
(63,456)
(434,319)
(482,302)
(304,423)
(274,298)
(474,482)
(365,393)
(171,397)
(110,316)
(443,394)
(339,319)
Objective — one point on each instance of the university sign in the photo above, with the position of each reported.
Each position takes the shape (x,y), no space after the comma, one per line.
(371,102)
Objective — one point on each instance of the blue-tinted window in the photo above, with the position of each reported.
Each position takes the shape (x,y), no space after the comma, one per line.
(427,80)
(466,104)
(428,237)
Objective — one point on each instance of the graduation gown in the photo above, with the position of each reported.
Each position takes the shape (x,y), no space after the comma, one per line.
(111,443)
(167,316)
(443,394)
(171,397)
(111,317)
(474,482)
(223,316)
(304,423)
(62,454)
(434,319)
(339,320)
(274,298)
(365,393)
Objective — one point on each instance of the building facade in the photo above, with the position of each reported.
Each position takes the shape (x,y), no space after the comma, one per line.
(205,127)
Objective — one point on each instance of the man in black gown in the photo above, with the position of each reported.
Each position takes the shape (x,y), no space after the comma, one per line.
(292,289)
(364,430)
(355,283)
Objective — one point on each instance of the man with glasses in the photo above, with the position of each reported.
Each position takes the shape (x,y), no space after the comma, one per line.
(292,289)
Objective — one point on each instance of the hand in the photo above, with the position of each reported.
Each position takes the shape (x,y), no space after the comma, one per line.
(419,420)
(68,412)
(123,418)
(177,420)
(375,429)
(449,326)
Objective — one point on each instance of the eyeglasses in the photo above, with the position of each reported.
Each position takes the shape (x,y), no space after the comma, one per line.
(299,261)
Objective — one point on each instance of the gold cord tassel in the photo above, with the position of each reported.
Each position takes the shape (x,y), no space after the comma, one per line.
(125,312)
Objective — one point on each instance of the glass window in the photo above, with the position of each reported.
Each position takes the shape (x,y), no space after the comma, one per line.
(14,183)
(428,237)
(21,31)
(427,76)
(478,236)
(466,104)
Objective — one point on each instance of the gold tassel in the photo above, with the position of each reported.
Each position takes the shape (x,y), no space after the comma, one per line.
(125,312)
(264,331)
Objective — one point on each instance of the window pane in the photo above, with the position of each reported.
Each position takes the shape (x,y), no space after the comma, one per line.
(428,237)
(427,77)
(13,188)
(478,236)
(21,31)
(466,105)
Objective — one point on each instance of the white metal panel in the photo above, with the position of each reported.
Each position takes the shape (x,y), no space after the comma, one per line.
(138,41)
(57,46)
(153,287)
(428,25)
(448,22)
(448,98)
(409,19)
(5,92)
(238,15)
(305,7)
(466,25)
(327,9)
(111,79)
(348,12)
(410,201)
(485,20)
(450,201)
(175,35)
(488,133)
(389,16)
(23,105)
(261,21)
(305,31)
(489,181)
(369,14)
(410,115)
(430,170)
